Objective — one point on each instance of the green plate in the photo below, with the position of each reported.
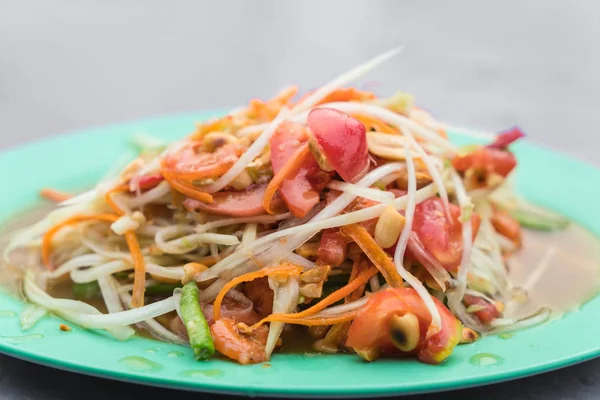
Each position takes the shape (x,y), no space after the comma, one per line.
(75,161)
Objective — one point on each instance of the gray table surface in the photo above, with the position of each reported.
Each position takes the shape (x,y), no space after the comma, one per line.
(67,65)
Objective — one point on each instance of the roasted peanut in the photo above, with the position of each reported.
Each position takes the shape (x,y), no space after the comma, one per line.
(388,228)
(405,331)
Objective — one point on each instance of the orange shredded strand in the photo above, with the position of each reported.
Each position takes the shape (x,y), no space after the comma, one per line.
(49,235)
(310,321)
(139,264)
(285,269)
(186,188)
(358,266)
(139,270)
(54,195)
(375,253)
(111,203)
(289,168)
(334,297)
(378,125)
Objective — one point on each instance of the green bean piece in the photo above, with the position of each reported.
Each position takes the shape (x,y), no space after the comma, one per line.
(540,222)
(195,323)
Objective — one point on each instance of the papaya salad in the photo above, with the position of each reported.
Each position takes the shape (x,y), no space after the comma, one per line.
(339,219)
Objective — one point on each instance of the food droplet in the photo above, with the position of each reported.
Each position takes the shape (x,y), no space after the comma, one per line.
(486,360)
(140,364)
(21,339)
(505,335)
(152,351)
(210,373)
(174,354)
(7,314)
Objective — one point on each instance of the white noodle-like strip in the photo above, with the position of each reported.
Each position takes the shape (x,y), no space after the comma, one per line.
(344,79)
(259,219)
(367,193)
(436,320)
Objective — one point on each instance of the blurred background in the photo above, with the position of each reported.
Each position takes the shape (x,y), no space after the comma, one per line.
(67,65)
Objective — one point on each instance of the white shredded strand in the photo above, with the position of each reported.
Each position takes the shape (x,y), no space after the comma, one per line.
(154,327)
(374,283)
(108,289)
(367,193)
(30,315)
(73,311)
(259,219)
(300,261)
(249,234)
(152,195)
(86,260)
(467,238)
(436,320)
(285,300)
(344,79)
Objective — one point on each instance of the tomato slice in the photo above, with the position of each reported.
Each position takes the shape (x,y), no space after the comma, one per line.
(487,314)
(244,203)
(489,159)
(371,330)
(190,163)
(333,248)
(150,181)
(504,139)
(300,192)
(343,141)
(507,226)
(442,238)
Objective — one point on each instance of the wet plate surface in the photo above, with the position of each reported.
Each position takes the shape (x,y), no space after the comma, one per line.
(77,160)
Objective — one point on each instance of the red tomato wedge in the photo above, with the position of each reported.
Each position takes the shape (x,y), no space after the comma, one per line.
(504,139)
(487,314)
(489,159)
(150,181)
(300,192)
(372,332)
(507,226)
(440,237)
(343,141)
(245,203)
(333,248)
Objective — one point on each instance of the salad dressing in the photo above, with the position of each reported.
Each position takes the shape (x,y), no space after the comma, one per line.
(559,270)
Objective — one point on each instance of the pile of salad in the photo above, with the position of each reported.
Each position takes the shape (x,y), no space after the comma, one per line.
(336,218)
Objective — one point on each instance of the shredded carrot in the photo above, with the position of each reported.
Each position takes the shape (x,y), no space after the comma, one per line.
(111,203)
(375,253)
(288,170)
(139,265)
(268,110)
(287,318)
(334,297)
(139,270)
(378,125)
(220,124)
(186,188)
(348,94)
(285,269)
(47,239)
(54,195)
(358,266)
